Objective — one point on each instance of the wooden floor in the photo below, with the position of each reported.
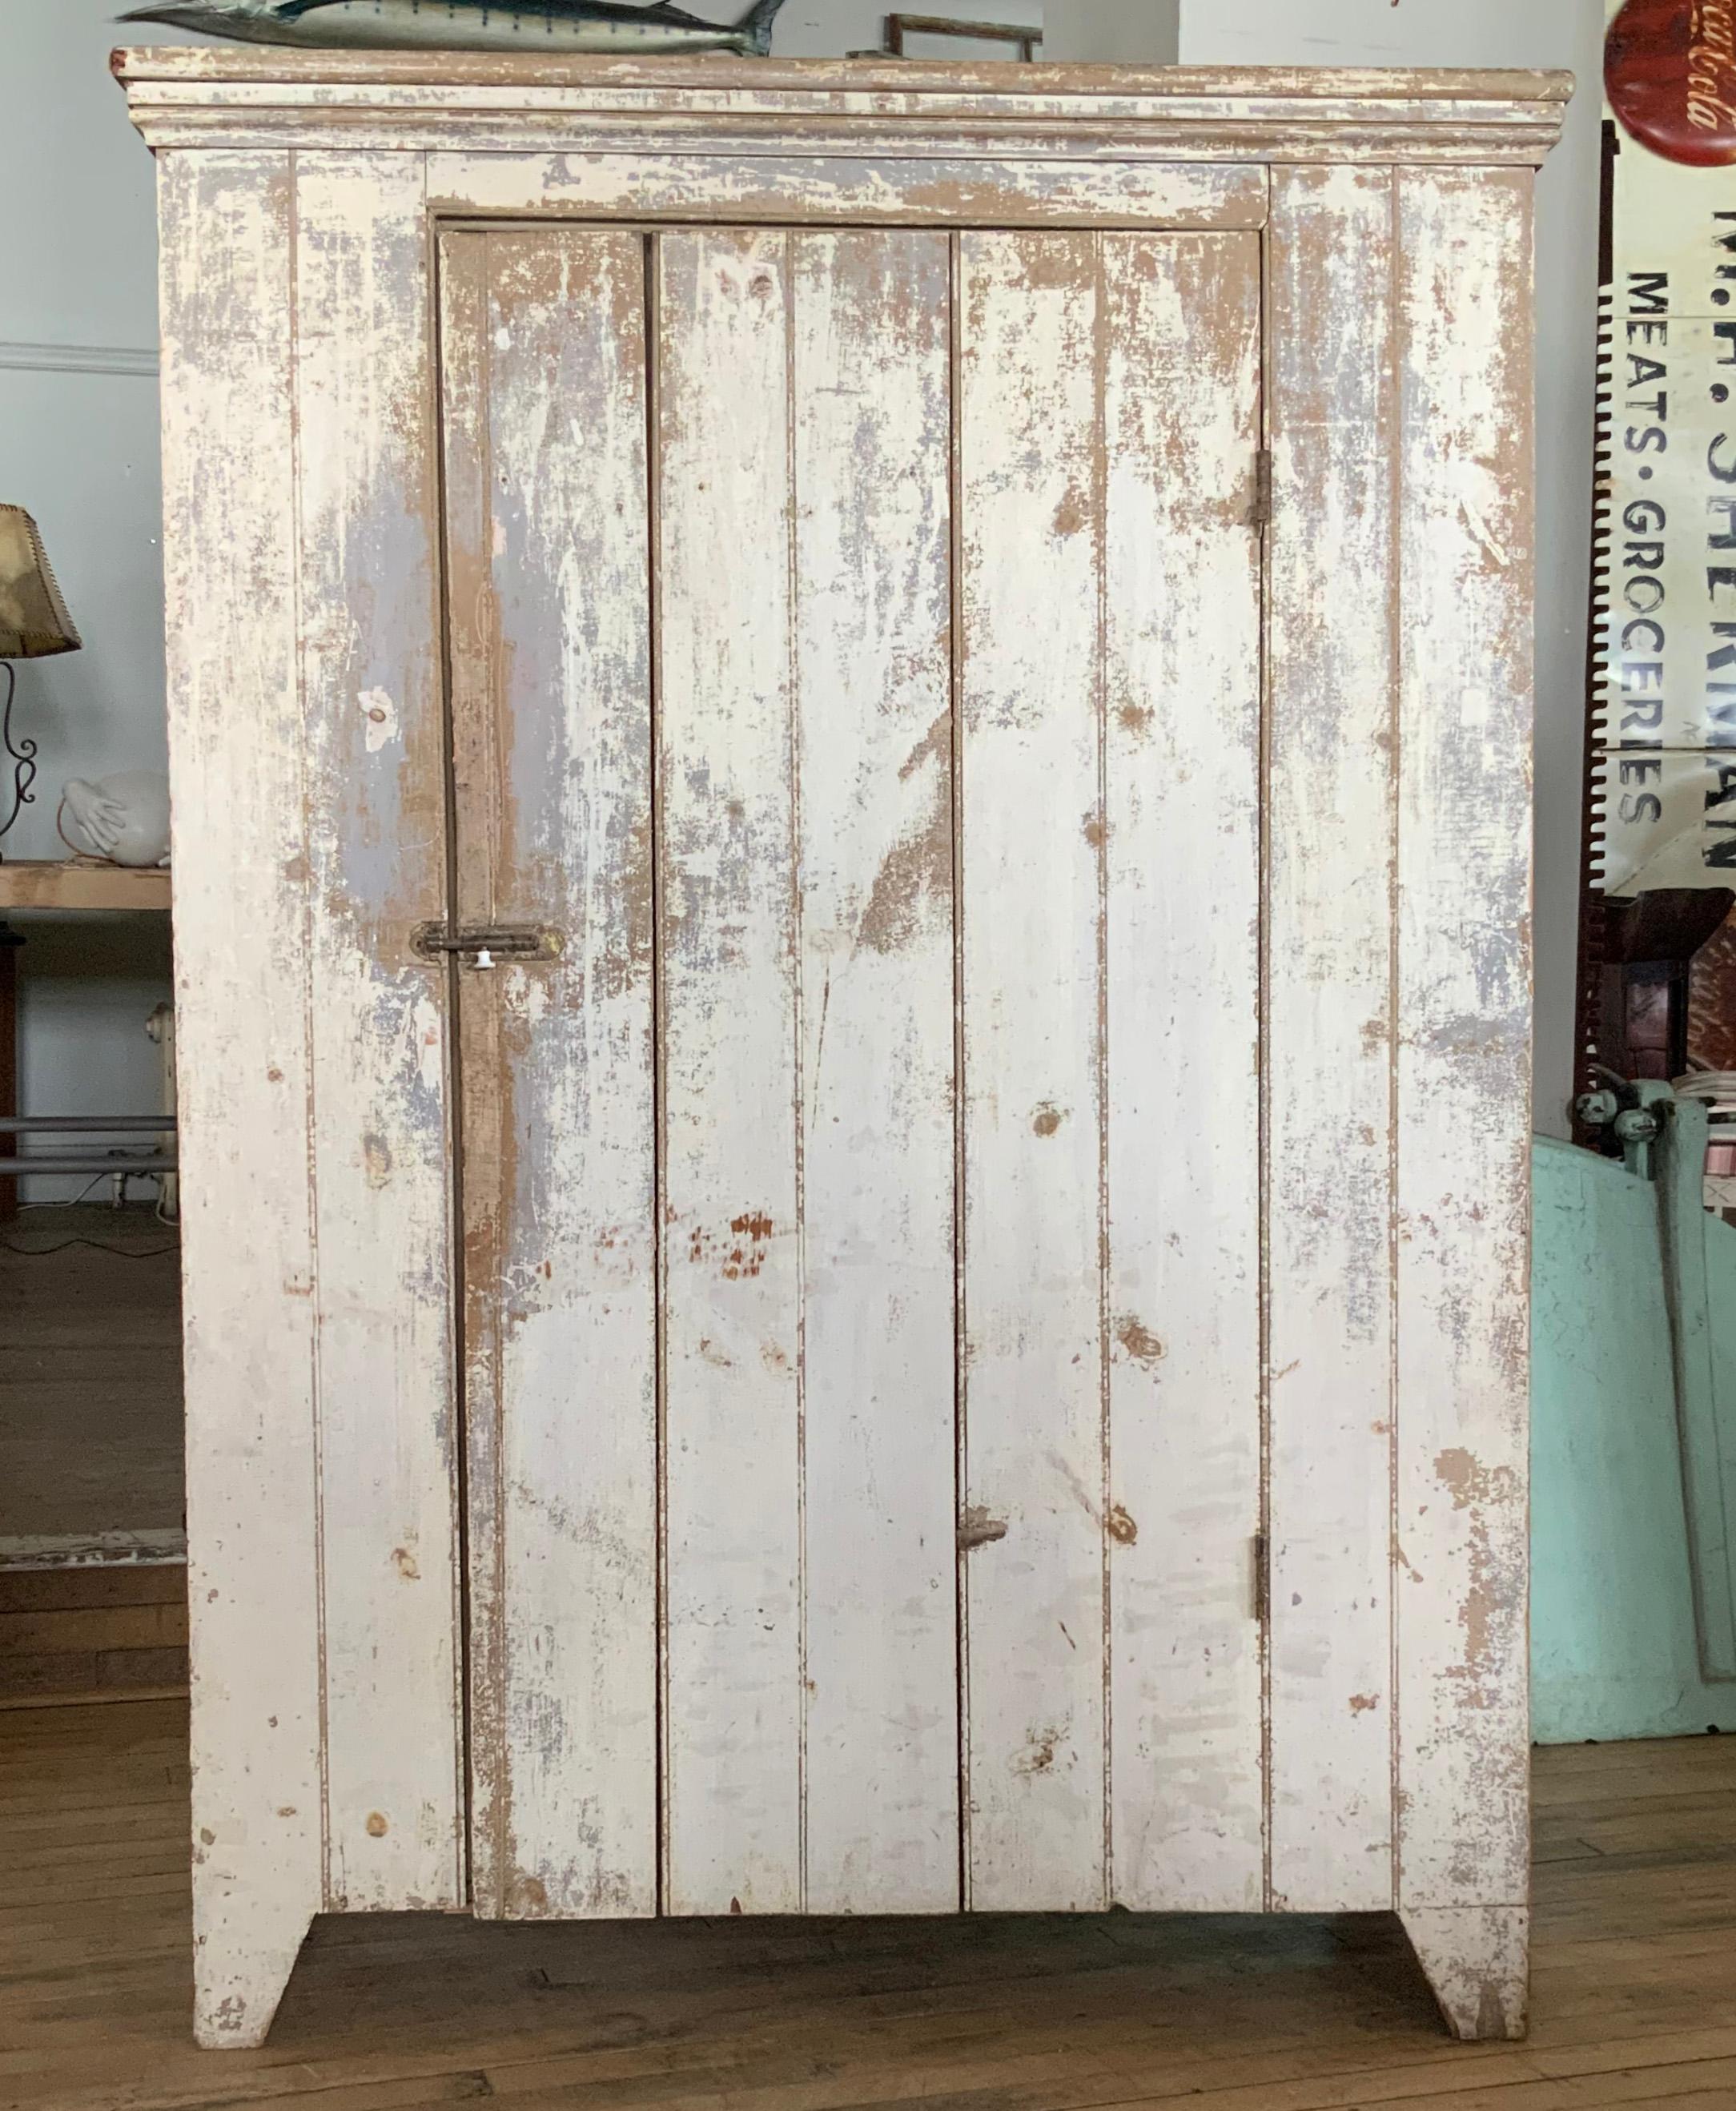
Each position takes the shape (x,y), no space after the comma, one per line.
(92,1633)
(1635,1985)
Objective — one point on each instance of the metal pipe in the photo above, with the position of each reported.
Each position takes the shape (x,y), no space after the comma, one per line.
(27,1168)
(82,1124)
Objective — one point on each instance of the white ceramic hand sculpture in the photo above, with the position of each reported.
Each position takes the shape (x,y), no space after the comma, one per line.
(123,818)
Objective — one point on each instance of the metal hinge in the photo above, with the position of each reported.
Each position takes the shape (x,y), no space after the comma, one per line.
(1261,516)
(483,944)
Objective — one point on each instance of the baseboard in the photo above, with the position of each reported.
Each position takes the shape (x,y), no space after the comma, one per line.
(93,1550)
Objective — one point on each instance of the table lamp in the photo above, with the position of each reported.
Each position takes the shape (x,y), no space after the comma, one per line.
(34,622)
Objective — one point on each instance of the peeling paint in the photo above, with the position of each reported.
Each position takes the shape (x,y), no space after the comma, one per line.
(380,716)
(978,1528)
(1139,1340)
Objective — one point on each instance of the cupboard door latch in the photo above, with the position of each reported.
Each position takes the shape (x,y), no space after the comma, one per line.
(480,946)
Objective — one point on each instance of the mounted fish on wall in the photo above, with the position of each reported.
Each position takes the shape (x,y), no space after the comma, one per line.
(471,25)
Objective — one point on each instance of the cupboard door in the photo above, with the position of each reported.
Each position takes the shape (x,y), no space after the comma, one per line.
(544,347)
(1109,422)
(856,656)
(805,776)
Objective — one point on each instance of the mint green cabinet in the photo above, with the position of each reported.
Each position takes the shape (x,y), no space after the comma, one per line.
(1613,1645)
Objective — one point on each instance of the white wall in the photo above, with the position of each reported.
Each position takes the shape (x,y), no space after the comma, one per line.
(828,29)
(78,449)
(1501,32)
(1114,32)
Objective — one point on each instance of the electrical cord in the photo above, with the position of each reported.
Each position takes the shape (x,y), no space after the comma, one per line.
(96,1245)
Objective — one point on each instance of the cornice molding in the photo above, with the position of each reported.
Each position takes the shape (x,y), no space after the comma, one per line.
(199,96)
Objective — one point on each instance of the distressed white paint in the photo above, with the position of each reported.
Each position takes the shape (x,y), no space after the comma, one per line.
(368,565)
(1390,412)
(730,1259)
(1328,1065)
(1476,1960)
(855,188)
(544,337)
(898,108)
(380,716)
(1032,1396)
(241,968)
(1567,34)
(1181,324)
(873,674)
(1465,1041)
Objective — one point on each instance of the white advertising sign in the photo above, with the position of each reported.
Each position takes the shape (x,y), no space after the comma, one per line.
(1667,734)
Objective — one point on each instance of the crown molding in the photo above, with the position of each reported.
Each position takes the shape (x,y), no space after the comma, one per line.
(201,96)
(18,355)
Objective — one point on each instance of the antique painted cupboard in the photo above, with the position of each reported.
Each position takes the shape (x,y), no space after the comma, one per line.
(850,749)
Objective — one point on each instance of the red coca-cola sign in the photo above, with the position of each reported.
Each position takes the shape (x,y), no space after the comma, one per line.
(1669,70)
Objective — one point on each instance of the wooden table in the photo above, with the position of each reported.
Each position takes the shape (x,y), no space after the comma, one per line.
(81,883)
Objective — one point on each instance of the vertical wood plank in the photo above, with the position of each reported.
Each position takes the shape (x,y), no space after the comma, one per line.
(730,1030)
(1183,847)
(873,443)
(1329,1081)
(241,1019)
(1030,473)
(544,339)
(371,684)
(1465,1057)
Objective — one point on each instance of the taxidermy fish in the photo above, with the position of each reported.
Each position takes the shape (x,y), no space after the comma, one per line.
(471,25)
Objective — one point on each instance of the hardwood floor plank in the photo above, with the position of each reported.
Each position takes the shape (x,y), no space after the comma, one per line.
(129,1583)
(90,1405)
(76,1628)
(1634,1996)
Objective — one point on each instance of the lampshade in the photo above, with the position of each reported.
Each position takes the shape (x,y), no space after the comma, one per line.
(33,621)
